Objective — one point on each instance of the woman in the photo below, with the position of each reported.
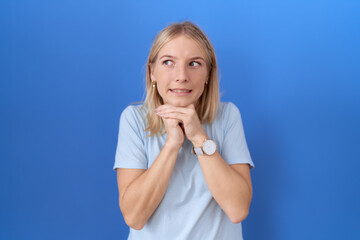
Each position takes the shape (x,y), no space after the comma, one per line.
(183,166)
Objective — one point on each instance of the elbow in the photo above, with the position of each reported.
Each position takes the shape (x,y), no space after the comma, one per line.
(133,221)
(238,217)
(134,224)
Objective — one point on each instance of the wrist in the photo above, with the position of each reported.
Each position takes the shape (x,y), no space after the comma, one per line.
(173,146)
(199,140)
(208,147)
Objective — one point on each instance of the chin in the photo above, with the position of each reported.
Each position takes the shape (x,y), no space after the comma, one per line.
(180,103)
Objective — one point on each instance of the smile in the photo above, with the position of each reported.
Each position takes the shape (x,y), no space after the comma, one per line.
(181,92)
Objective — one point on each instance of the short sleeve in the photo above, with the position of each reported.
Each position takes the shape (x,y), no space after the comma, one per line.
(130,150)
(234,148)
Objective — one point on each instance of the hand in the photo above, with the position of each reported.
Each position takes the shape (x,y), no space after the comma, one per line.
(175,134)
(189,119)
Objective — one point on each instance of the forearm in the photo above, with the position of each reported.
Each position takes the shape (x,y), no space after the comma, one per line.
(229,189)
(143,195)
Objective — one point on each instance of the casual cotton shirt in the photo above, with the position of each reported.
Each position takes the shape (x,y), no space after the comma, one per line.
(187,210)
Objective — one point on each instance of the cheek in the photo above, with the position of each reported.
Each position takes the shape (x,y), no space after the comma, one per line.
(200,89)
(162,88)
(200,83)
(163,77)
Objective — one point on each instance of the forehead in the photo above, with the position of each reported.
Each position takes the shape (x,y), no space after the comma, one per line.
(182,46)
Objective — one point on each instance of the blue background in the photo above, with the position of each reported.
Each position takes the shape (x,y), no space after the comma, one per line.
(68,69)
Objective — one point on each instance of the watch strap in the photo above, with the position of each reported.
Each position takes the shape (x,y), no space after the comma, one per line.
(198,151)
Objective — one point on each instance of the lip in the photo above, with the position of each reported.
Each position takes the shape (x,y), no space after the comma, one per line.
(180,93)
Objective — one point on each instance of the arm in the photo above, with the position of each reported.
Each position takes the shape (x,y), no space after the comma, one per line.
(141,191)
(230,185)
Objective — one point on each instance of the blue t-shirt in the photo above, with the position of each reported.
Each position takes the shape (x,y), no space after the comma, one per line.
(188,210)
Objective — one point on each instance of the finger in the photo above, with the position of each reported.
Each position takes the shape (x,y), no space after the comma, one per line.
(175,123)
(173,115)
(162,107)
(168,106)
(169,109)
(171,122)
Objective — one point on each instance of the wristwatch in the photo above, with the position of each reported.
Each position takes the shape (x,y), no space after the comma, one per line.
(208,148)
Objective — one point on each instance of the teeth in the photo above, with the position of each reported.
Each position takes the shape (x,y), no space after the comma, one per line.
(179,91)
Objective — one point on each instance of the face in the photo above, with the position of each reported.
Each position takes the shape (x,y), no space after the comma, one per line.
(180,71)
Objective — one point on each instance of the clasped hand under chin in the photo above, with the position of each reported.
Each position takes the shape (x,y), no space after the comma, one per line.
(182,120)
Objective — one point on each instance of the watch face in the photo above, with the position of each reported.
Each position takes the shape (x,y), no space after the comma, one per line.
(209,147)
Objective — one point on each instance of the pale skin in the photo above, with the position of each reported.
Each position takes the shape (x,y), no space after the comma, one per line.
(181,65)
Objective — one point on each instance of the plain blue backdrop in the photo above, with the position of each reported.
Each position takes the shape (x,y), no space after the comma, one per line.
(69,68)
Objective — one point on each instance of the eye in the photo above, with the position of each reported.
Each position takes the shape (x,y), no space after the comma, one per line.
(194,64)
(168,63)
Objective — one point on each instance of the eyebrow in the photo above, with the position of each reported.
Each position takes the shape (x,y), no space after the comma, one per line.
(169,56)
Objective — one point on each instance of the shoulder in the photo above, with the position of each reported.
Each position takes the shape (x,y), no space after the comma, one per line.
(137,110)
(133,114)
(228,106)
(227,113)
(227,110)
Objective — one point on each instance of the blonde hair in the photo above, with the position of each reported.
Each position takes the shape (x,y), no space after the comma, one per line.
(208,102)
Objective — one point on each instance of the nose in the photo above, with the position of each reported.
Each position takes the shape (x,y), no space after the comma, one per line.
(182,75)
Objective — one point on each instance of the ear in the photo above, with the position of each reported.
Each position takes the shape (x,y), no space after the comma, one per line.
(152,72)
(152,77)
(207,79)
